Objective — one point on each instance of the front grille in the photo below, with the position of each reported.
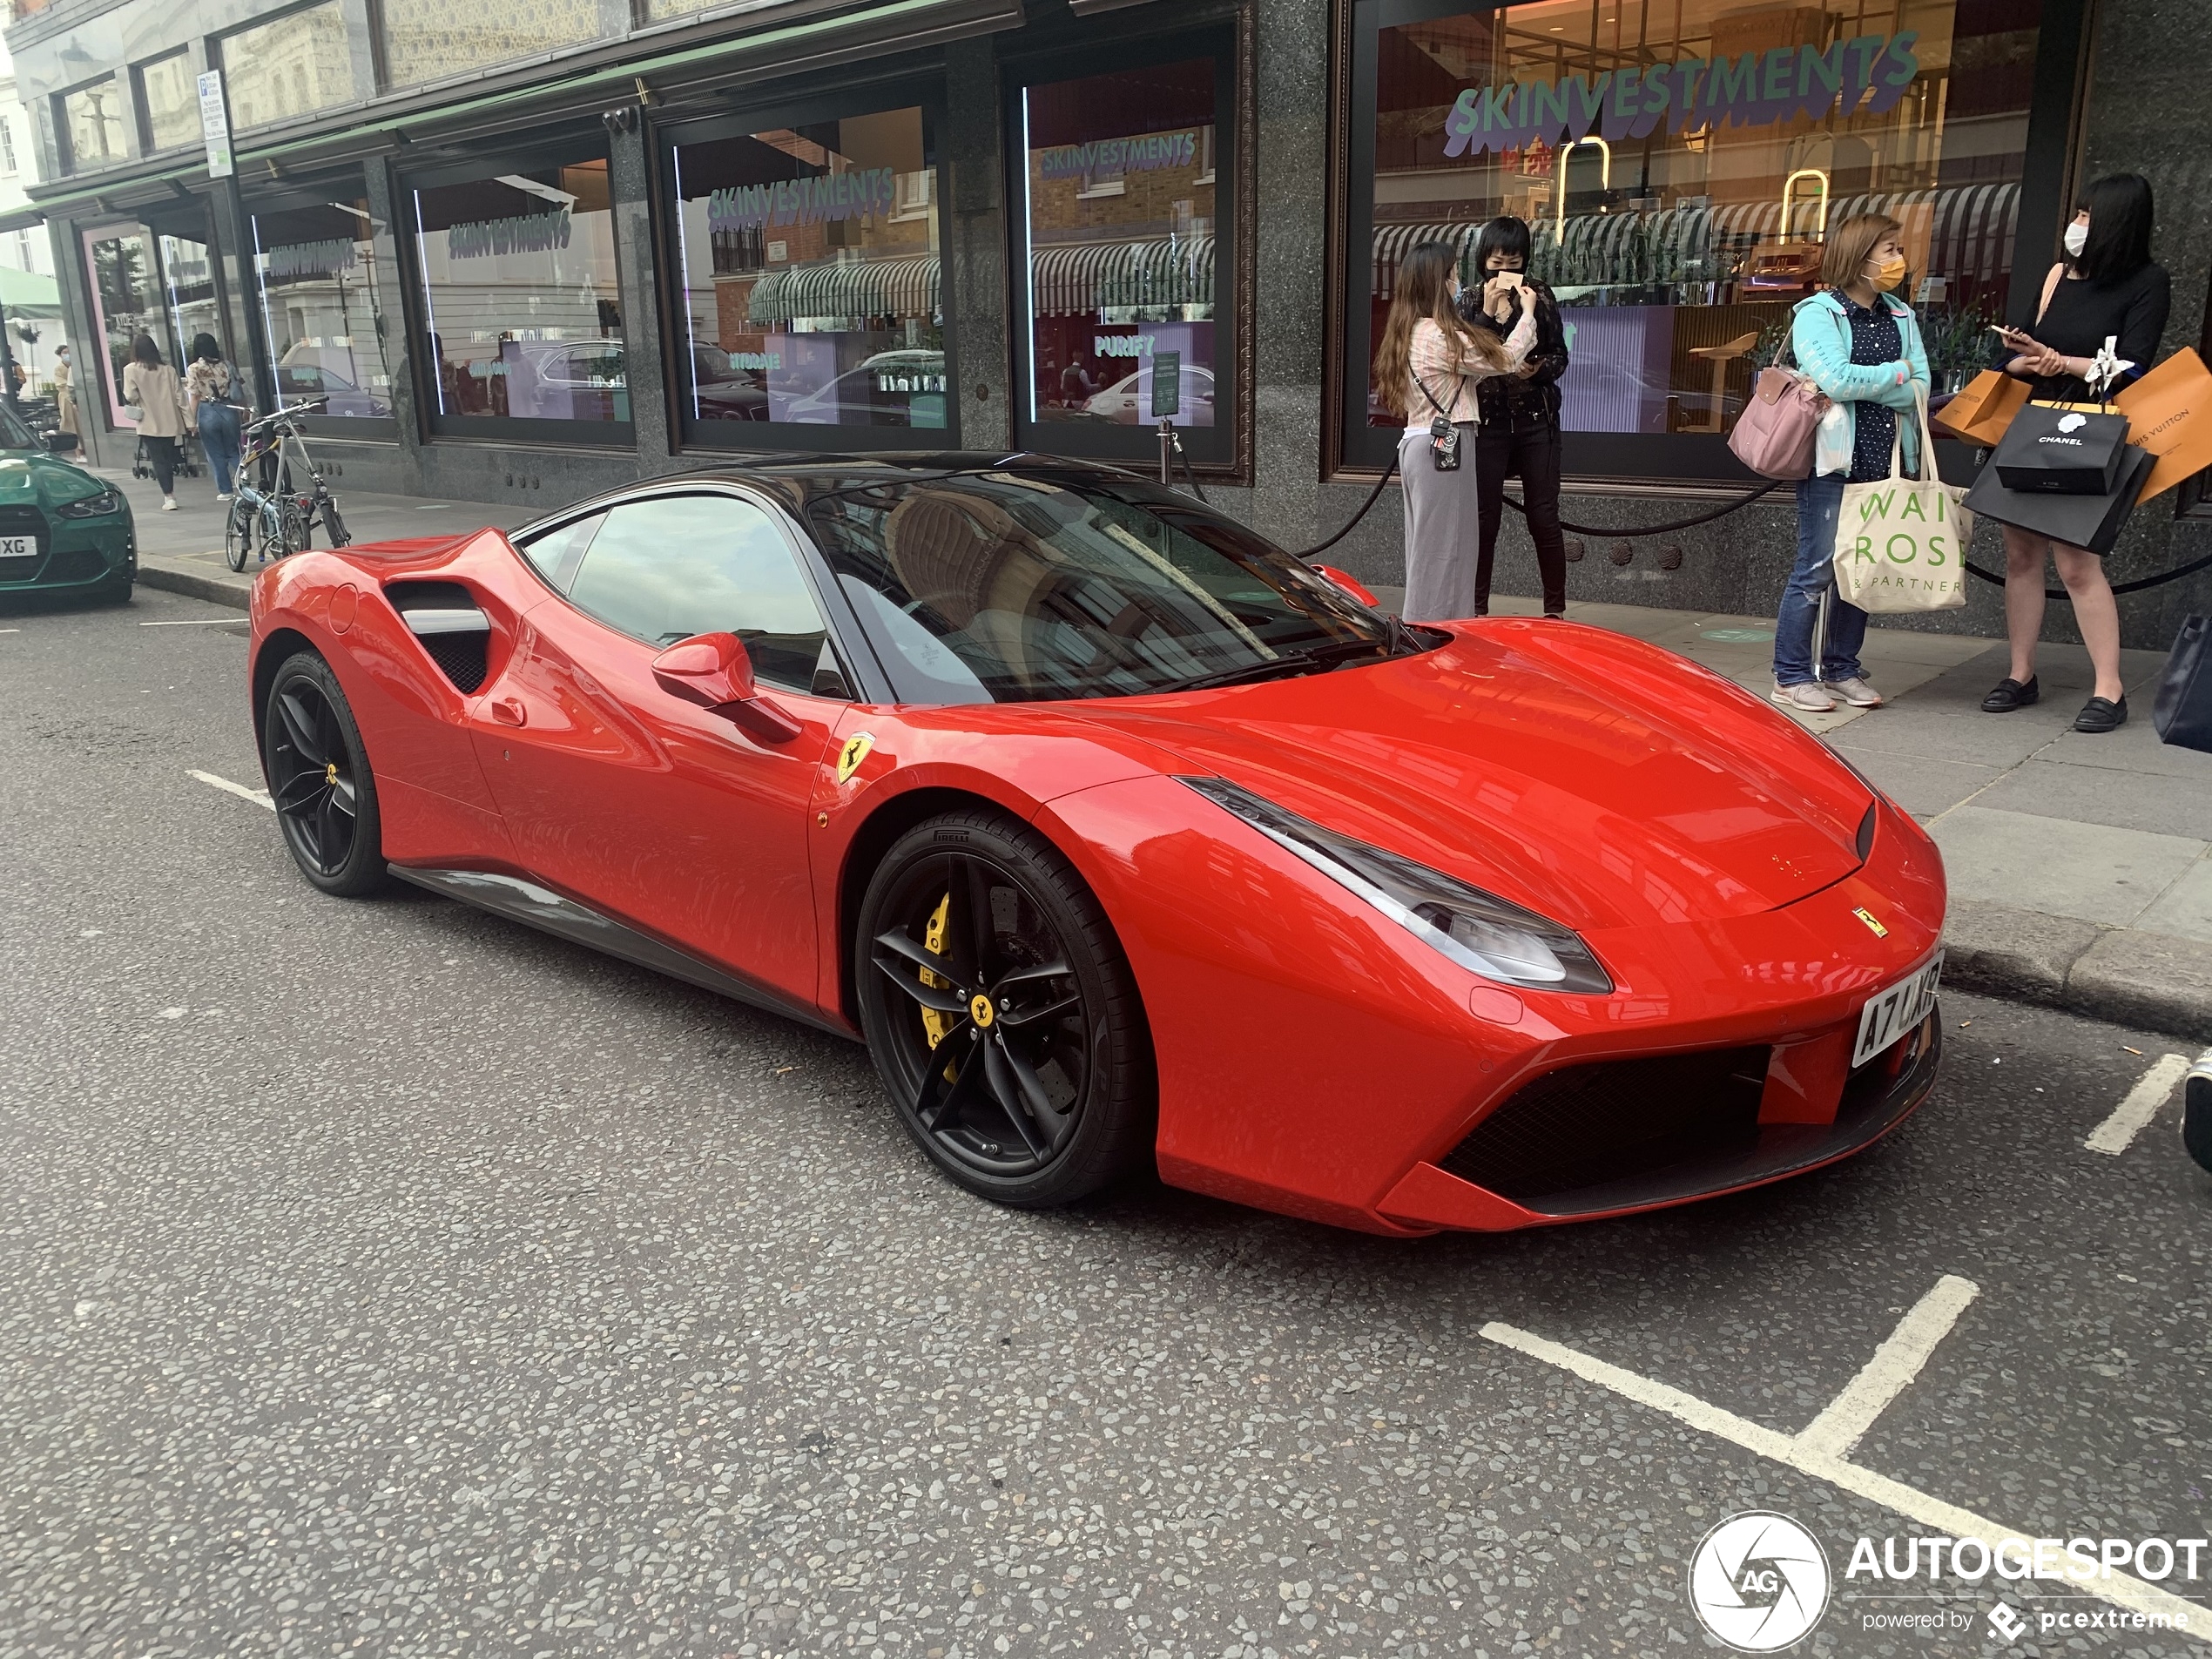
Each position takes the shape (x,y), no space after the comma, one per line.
(77,564)
(1614,1120)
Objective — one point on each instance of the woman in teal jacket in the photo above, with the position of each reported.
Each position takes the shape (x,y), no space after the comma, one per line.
(1861,345)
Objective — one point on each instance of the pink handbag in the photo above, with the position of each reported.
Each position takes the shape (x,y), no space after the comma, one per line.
(1774,435)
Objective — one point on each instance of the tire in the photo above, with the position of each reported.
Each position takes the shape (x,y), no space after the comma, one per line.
(1050,1095)
(295,529)
(319,775)
(238,533)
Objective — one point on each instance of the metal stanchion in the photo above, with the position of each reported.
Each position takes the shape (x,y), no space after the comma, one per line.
(1167,453)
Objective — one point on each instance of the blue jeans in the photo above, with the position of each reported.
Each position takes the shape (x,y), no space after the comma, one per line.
(218,436)
(1820,502)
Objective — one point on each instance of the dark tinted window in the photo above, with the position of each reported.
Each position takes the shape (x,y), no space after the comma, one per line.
(1011,587)
(667,569)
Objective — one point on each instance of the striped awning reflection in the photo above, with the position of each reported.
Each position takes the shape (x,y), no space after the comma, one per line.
(908,286)
(1076,278)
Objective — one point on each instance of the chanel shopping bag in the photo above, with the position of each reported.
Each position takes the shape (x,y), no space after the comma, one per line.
(2182,713)
(2063,451)
(2091,521)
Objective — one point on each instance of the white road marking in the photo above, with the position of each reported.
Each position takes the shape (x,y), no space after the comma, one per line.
(434,507)
(259,797)
(192,621)
(172,1013)
(10,630)
(1895,1364)
(1794,1451)
(2116,1132)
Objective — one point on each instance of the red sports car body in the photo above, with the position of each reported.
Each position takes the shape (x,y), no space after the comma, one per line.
(1481,926)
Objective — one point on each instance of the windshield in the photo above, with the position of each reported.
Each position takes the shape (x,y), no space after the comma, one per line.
(1006,587)
(14,435)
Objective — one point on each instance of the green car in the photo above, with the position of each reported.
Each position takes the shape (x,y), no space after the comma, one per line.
(61,530)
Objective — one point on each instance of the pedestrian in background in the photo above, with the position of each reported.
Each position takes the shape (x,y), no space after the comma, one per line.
(2107,287)
(1860,344)
(208,391)
(1518,437)
(64,392)
(152,385)
(1426,370)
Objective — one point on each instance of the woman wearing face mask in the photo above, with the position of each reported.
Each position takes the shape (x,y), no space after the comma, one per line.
(1861,345)
(1427,366)
(2107,287)
(1520,432)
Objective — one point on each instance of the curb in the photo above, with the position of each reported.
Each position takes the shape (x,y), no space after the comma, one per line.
(174,576)
(2149,981)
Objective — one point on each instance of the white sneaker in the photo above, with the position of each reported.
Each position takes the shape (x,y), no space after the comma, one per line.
(222,494)
(168,503)
(1808,698)
(1856,691)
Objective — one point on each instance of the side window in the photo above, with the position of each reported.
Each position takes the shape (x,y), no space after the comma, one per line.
(557,552)
(665,569)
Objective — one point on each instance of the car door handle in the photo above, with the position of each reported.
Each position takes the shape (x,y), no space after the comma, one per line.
(508,711)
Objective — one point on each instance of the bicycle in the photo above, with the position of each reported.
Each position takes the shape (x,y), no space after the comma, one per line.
(276,518)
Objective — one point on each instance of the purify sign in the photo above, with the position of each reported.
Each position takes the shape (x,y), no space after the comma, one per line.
(1753,90)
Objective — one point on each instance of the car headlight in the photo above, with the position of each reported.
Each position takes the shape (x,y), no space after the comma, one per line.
(1482,932)
(99,506)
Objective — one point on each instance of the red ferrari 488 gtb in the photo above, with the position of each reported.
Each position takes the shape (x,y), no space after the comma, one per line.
(1114,831)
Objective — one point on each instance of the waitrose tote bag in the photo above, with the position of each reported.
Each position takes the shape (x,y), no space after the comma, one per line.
(1901,543)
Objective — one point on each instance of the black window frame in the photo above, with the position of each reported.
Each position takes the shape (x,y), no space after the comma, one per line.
(145,116)
(561,147)
(1214,448)
(65,143)
(368,428)
(723,436)
(1701,461)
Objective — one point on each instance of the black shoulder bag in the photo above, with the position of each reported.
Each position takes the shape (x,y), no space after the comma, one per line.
(1443,436)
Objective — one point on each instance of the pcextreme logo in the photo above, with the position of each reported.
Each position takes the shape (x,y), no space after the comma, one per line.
(1759,1582)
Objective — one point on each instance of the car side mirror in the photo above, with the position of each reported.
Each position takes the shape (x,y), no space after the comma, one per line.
(715,672)
(61,443)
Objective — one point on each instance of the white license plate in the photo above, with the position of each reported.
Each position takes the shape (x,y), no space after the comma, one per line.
(18,547)
(1896,1011)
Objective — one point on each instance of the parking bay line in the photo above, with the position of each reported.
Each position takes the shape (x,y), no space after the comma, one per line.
(2117,1132)
(259,797)
(192,621)
(1885,1375)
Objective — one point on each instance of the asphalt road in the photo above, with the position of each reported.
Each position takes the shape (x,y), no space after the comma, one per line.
(383,1278)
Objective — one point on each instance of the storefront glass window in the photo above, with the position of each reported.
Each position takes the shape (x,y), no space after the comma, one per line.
(1120,222)
(811,276)
(126,302)
(323,270)
(1680,162)
(169,101)
(291,65)
(188,294)
(429,40)
(92,125)
(519,293)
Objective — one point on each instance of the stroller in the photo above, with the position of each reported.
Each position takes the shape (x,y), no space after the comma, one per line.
(190,462)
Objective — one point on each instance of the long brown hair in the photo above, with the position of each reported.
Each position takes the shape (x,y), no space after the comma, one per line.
(1424,290)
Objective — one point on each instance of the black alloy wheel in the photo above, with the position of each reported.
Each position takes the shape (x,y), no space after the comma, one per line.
(1002,1013)
(319,778)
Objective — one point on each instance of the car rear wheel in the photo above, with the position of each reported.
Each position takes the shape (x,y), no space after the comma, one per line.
(1002,1013)
(320,779)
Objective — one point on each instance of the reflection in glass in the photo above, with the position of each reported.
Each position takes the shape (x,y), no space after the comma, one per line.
(429,40)
(188,292)
(321,270)
(126,302)
(1120,225)
(92,118)
(520,294)
(811,275)
(294,65)
(1680,162)
(169,101)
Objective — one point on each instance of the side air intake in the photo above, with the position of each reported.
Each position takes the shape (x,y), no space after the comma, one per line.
(449,624)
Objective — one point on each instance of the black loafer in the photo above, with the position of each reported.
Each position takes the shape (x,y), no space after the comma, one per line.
(2010,695)
(2103,714)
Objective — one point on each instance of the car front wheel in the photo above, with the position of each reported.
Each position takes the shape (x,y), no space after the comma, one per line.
(1002,1013)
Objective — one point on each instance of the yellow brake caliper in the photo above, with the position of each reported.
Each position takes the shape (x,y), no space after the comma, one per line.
(933,940)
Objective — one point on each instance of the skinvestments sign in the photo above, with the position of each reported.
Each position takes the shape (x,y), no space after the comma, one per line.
(802,201)
(1754,89)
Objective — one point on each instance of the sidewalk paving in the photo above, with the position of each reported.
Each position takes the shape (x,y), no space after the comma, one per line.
(2080,867)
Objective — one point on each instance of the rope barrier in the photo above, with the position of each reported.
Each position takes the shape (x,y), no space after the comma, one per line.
(2118,588)
(1738,505)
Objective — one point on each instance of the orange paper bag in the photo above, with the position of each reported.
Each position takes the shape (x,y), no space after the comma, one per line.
(1981,414)
(2169,412)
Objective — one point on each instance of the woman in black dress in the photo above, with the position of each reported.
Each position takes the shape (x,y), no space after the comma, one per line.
(2107,287)
(1519,433)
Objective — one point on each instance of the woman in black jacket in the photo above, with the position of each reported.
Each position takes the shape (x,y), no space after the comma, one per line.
(1519,433)
(2107,287)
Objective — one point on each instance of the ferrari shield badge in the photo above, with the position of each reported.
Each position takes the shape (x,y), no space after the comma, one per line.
(856,750)
(1867,916)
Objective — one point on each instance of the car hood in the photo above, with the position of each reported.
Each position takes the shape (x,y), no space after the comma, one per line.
(1591,777)
(34,478)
